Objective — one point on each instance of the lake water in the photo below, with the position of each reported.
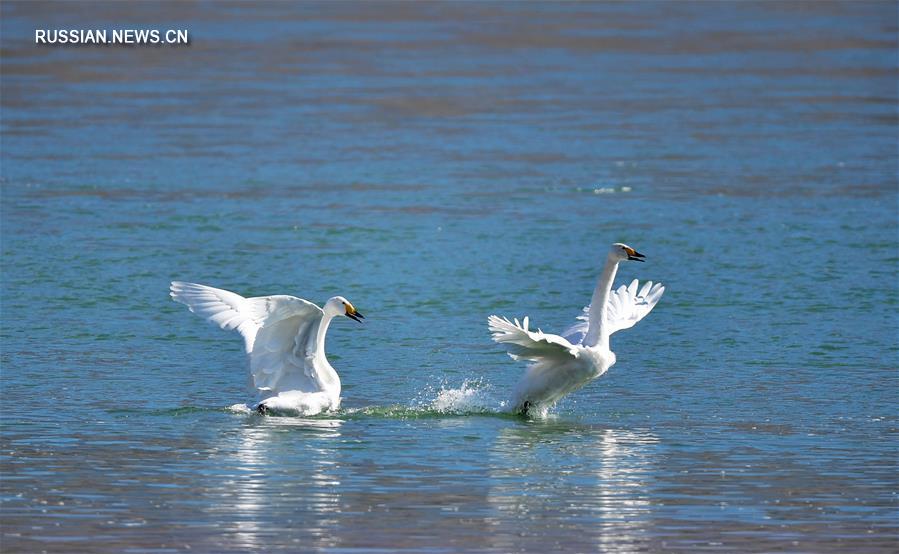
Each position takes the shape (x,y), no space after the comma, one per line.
(435,164)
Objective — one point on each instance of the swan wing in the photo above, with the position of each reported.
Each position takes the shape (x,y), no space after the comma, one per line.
(576,333)
(285,354)
(626,306)
(523,343)
(223,308)
(279,332)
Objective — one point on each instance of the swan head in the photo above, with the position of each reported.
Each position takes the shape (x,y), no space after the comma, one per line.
(339,305)
(622,251)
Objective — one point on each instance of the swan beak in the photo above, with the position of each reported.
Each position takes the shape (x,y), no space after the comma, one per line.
(353,314)
(634,256)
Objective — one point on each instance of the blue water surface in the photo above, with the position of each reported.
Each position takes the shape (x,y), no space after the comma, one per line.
(435,164)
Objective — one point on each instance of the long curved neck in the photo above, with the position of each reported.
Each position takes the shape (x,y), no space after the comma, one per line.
(327,378)
(322,331)
(597,334)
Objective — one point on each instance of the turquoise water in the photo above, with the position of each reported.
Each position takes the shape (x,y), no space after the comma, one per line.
(435,164)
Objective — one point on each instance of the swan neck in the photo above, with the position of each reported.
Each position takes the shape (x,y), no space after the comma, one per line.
(327,379)
(597,332)
(322,331)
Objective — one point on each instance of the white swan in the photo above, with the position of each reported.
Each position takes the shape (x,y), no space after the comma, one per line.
(284,337)
(563,364)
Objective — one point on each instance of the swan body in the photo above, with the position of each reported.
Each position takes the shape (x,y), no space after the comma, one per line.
(284,338)
(562,364)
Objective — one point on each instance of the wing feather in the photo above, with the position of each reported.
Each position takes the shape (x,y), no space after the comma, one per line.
(626,306)
(279,332)
(223,308)
(522,343)
(632,304)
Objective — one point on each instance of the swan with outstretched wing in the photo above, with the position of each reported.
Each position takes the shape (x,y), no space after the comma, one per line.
(284,337)
(562,364)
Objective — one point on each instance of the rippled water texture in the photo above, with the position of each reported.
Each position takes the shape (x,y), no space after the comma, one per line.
(436,163)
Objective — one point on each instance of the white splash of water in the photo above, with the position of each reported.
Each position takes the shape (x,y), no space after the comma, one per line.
(240,409)
(473,396)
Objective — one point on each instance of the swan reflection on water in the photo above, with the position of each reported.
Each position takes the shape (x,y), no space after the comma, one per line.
(604,478)
(252,502)
(584,486)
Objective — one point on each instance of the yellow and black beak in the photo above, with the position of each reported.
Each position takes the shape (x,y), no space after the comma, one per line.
(353,314)
(633,255)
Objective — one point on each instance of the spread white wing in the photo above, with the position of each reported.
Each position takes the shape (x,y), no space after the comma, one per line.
(279,333)
(626,306)
(220,307)
(522,343)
